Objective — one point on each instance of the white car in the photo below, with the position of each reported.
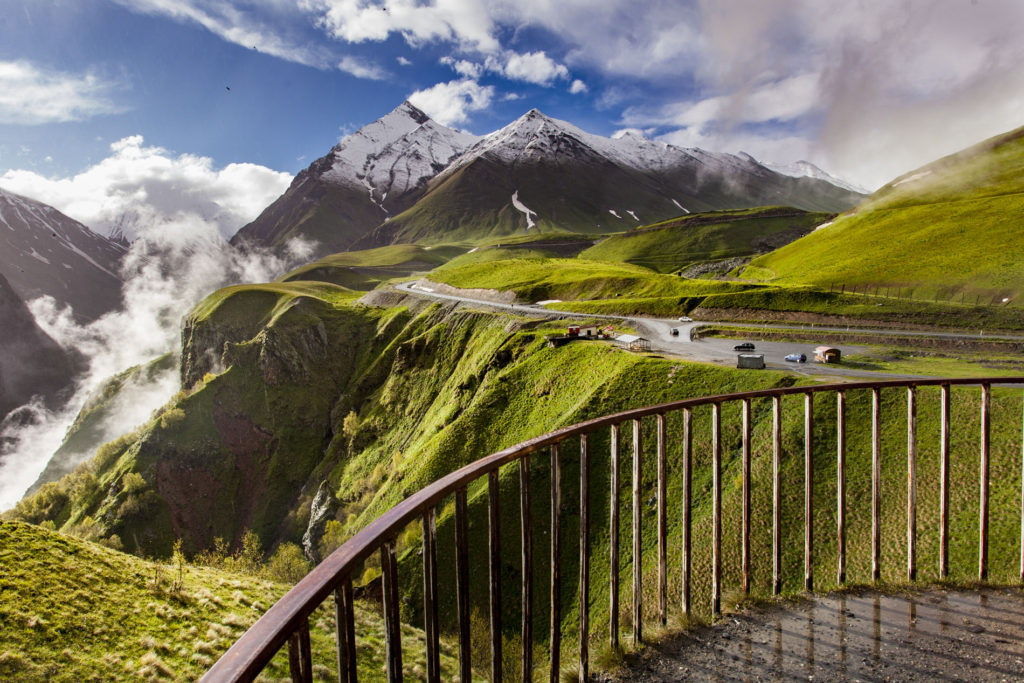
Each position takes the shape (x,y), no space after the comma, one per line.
(684,319)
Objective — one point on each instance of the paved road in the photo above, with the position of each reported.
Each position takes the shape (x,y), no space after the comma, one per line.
(659,331)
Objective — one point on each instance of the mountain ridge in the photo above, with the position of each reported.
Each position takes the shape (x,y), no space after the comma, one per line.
(45,252)
(405,178)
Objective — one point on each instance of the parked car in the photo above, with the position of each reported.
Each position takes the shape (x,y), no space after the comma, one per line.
(684,319)
(796,358)
(745,346)
(675,332)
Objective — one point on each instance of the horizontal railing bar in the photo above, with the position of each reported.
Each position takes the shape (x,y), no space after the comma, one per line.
(257,646)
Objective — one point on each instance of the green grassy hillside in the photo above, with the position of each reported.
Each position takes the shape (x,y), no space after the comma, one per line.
(948,230)
(572,279)
(77,611)
(309,387)
(364,270)
(711,236)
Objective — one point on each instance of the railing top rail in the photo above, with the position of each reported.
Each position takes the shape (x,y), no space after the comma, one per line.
(247,657)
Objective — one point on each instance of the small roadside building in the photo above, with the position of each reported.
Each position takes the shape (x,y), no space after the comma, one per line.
(591,331)
(750,361)
(827,354)
(633,343)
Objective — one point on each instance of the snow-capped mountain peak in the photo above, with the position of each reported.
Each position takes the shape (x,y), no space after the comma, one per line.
(395,153)
(805,169)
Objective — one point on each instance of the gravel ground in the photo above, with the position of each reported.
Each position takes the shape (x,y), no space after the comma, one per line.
(936,635)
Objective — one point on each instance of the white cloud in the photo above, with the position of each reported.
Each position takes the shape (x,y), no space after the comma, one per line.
(403,61)
(30,95)
(782,100)
(467,23)
(237,26)
(145,189)
(532,67)
(360,68)
(578,87)
(451,103)
(463,67)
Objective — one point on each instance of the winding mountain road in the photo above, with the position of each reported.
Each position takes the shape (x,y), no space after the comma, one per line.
(719,351)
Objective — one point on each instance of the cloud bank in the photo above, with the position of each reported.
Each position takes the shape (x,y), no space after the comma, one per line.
(140,189)
(166,273)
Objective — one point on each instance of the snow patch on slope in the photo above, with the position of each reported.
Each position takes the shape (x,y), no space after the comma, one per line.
(522,207)
(634,216)
(612,212)
(683,208)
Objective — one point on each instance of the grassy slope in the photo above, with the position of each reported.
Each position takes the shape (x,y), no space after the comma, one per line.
(540,279)
(948,228)
(76,611)
(364,270)
(670,245)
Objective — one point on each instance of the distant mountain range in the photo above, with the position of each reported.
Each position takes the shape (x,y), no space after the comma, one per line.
(405,178)
(44,252)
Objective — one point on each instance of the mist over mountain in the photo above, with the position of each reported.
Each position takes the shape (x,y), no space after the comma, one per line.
(31,362)
(405,178)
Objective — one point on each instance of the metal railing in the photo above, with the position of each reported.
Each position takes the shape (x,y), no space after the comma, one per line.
(288,620)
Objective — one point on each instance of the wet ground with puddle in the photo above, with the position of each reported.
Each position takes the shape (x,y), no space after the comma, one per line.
(936,635)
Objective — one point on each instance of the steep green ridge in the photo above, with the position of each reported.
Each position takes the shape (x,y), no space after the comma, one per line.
(77,611)
(948,230)
(715,235)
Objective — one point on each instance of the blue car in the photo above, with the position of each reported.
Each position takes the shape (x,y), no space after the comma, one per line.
(796,358)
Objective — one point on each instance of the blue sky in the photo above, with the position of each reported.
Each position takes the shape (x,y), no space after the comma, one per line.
(148,107)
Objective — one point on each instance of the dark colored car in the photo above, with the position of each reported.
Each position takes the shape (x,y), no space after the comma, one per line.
(745,346)
(675,332)
(796,358)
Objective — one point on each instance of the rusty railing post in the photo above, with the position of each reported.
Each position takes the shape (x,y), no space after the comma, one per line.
(716,509)
(430,607)
(687,523)
(662,524)
(462,582)
(637,538)
(584,585)
(745,560)
(300,660)
(526,563)
(613,542)
(911,483)
(392,622)
(344,615)
(986,397)
(841,487)
(555,635)
(944,483)
(809,491)
(776,495)
(876,487)
(494,578)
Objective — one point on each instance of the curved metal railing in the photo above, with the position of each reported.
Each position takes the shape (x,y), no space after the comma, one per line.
(288,620)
